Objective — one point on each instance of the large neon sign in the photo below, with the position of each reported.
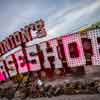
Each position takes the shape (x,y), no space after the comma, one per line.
(78,51)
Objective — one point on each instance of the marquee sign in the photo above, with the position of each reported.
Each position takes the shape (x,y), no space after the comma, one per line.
(60,55)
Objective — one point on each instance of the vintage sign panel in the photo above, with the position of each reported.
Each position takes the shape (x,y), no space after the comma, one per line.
(3,73)
(10,64)
(21,61)
(33,58)
(94,35)
(49,50)
(79,59)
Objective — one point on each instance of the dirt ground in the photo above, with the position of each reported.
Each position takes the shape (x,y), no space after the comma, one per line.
(72,97)
(65,97)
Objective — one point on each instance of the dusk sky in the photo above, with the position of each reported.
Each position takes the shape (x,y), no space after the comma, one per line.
(61,16)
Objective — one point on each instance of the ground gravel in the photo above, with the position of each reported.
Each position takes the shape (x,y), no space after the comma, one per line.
(64,97)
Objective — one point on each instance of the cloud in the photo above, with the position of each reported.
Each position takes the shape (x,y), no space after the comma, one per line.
(68,21)
(60,17)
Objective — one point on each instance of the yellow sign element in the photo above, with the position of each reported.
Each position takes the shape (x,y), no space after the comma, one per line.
(20,77)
